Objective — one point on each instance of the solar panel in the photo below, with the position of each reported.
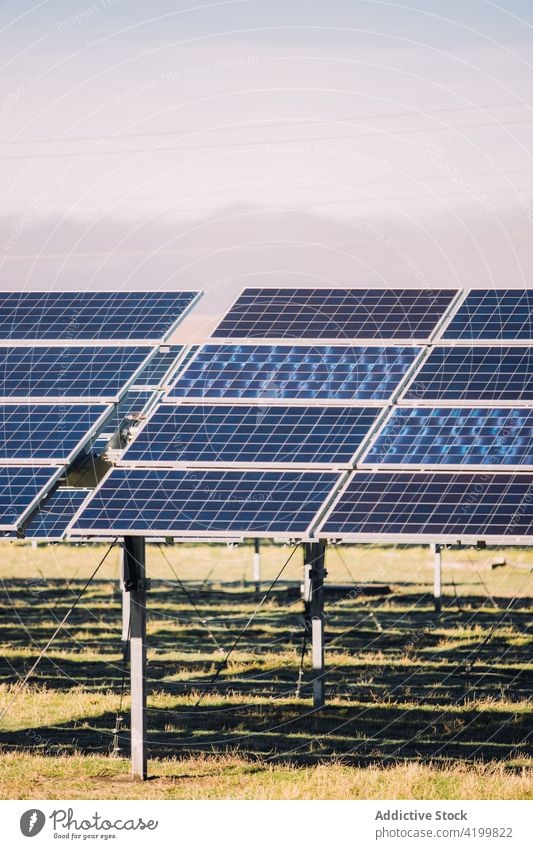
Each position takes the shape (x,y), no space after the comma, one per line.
(456,437)
(28,374)
(135,402)
(470,373)
(335,314)
(154,373)
(157,502)
(493,314)
(52,517)
(295,372)
(91,316)
(251,434)
(42,433)
(435,507)
(20,488)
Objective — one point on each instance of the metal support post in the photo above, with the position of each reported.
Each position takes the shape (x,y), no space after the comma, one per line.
(256,566)
(136,584)
(314,557)
(437,577)
(125,605)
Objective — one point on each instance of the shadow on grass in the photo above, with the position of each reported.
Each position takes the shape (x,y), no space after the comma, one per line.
(401,693)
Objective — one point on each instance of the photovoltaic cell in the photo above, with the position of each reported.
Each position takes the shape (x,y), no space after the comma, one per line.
(171,502)
(295,372)
(335,313)
(236,434)
(433,504)
(20,487)
(45,432)
(493,314)
(470,373)
(51,519)
(90,315)
(153,374)
(73,372)
(460,436)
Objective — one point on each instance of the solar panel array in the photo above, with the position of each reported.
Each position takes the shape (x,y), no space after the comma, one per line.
(68,361)
(433,506)
(69,373)
(260,435)
(91,316)
(295,372)
(425,394)
(493,314)
(454,436)
(470,373)
(46,433)
(335,314)
(167,502)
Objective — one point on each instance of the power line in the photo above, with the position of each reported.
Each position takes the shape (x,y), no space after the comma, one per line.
(289,122)
(252,143)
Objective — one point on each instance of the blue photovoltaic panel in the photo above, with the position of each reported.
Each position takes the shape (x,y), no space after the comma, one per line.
(134,403)
(493,314)
(91,315)
(237,434)
(335,313)
(73,372)
(51,519)
(460,436)
(433,504)
(45,432)
(154,372)
(20,487)
(295,372)
(171,502)
(469,373)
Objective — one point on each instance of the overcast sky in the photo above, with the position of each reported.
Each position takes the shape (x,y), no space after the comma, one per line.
(255,142)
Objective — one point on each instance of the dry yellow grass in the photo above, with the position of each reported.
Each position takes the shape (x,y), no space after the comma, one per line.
(227,777)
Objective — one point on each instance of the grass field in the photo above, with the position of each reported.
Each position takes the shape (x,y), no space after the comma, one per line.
(419,706)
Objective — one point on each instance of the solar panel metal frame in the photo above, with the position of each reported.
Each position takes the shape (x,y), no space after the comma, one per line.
(414,538)
(471,341)
(104,341)
(75,534)
(402,401)
(384,465)
(283,401)
(253,465)
(42,493)
(81,399)
(84,442)
(330,340)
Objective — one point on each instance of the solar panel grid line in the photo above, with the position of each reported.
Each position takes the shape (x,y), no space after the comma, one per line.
(63,316)
(22,493)
(488,316)
(287,373)
(49,522)
(393,493)
(472,375)
(452,438)
(54,374)
(61,431)
(320,308)
(211,505)
(289,436)
(153,376)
